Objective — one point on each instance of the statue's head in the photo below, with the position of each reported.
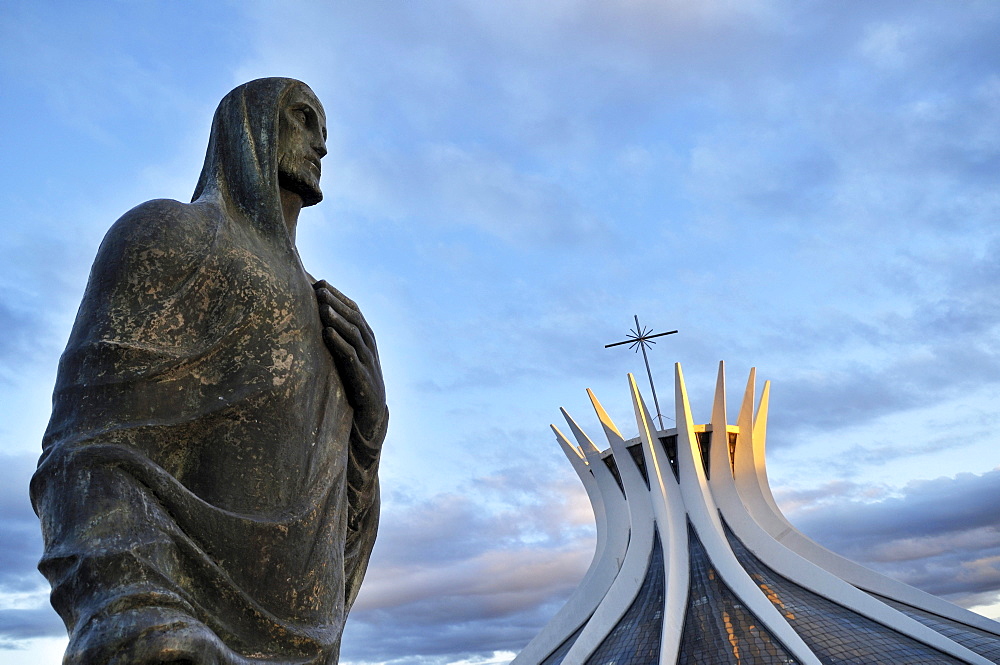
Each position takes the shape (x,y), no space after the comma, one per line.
(267,134)
(301,143)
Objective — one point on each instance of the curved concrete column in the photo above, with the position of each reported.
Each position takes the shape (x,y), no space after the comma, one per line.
(671,520)
(633,571)
(612,547)
(704,516)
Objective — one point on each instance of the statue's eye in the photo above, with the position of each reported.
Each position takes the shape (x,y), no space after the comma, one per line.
(301,115)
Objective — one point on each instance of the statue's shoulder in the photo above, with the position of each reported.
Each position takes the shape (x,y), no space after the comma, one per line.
(166,223)
(160,236)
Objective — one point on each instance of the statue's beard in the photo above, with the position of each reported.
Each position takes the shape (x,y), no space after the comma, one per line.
(300,180)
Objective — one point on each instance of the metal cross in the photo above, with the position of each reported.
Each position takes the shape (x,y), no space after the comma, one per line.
(640,339)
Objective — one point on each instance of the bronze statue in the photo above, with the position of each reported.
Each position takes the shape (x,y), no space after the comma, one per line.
(208,485)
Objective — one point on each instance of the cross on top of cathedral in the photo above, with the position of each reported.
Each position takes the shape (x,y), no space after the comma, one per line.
(640,338)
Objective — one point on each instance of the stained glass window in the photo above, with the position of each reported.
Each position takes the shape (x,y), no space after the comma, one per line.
(609,462)
(640,461)
(556,657)
(836,634)
(669,444)
(985,644)
(635,639)
(718,628)
(705,445)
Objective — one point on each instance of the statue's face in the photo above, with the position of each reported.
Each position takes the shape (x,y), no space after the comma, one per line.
(301,144)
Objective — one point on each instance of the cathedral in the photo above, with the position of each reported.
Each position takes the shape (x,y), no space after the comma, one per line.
(695,563)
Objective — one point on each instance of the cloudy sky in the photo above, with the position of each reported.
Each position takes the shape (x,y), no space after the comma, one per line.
(808,187)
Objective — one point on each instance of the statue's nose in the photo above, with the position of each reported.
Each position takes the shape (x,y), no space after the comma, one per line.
(320,148)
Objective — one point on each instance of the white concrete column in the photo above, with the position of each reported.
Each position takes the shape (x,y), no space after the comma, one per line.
(633,571)
(671,521)
(704,516)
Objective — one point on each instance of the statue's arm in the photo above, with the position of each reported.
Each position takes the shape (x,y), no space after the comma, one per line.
(362,509)
(352,345)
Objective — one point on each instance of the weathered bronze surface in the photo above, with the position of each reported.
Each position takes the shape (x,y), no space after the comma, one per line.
(208,485)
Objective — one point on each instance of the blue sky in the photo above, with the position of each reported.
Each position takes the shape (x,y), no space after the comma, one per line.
(808,187)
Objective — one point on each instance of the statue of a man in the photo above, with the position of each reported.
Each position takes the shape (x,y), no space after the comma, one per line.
(208,485)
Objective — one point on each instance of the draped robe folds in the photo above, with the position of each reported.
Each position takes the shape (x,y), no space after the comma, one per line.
(203,491)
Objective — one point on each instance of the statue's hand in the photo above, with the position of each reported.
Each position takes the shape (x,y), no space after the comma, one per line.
(352,345)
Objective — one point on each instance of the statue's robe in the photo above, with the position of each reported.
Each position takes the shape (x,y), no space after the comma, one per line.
(203,491)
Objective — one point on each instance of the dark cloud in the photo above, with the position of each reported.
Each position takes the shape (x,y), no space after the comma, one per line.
(940,535)
(16,625)
(20,536)
(462,576)
(20,549)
